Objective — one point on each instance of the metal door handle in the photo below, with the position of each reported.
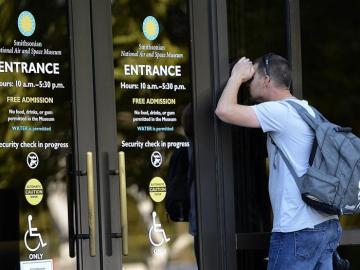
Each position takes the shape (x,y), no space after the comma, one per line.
(91,203)
(123,203)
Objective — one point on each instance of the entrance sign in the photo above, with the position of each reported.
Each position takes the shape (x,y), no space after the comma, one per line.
(36,117)
(154,111)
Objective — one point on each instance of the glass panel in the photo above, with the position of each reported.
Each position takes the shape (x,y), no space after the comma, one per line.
(255,28)
(330,53)
(154,121)
(35,134)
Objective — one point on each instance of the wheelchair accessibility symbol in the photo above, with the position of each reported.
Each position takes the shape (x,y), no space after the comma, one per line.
(32,233)
(157,235)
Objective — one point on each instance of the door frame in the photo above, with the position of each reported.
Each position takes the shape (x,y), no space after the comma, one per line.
(95,102)
(106,134)
(213,153)
(81,62)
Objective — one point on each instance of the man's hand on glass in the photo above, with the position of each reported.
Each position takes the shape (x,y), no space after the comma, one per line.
(243,70)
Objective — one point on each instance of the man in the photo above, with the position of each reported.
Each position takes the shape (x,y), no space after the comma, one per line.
(302,237)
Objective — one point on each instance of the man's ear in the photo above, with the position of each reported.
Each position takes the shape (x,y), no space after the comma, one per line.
(266,81)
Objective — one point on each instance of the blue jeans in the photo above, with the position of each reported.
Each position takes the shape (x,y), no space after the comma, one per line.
(307,249)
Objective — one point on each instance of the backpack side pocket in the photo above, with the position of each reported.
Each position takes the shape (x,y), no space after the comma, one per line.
(320,190)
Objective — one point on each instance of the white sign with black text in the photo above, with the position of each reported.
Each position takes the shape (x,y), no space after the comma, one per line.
(29,265)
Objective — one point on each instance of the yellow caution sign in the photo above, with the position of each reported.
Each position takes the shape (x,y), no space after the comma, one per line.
(157,189)
(34,191)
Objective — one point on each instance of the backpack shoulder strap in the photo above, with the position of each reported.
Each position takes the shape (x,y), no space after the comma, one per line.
(288,164)
(313,122)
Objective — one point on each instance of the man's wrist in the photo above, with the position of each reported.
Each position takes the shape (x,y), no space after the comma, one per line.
(236,81)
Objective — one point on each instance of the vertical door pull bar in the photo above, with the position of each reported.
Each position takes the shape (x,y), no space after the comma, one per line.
(91,203)
(123,203)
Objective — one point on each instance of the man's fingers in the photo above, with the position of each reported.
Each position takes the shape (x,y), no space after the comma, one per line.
(244,58)
(244,67)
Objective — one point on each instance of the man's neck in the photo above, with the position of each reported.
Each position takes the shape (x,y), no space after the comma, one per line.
(281,94)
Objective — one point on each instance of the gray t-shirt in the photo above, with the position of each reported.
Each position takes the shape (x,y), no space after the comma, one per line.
(294,137)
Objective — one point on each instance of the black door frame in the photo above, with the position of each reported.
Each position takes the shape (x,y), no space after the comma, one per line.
(106,133)
(84,135)
(94,110)
(213,148)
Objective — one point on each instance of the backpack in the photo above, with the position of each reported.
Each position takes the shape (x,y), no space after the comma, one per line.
(332,181)
(177,200)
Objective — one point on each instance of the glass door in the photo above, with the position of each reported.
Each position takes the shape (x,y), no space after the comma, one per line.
(36,135)
(47,174)
(323,74)
(331,81)
(254,29)
(154,116)
(147,91)
(67,133)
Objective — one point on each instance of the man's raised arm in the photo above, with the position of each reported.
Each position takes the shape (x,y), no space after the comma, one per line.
(228,110)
